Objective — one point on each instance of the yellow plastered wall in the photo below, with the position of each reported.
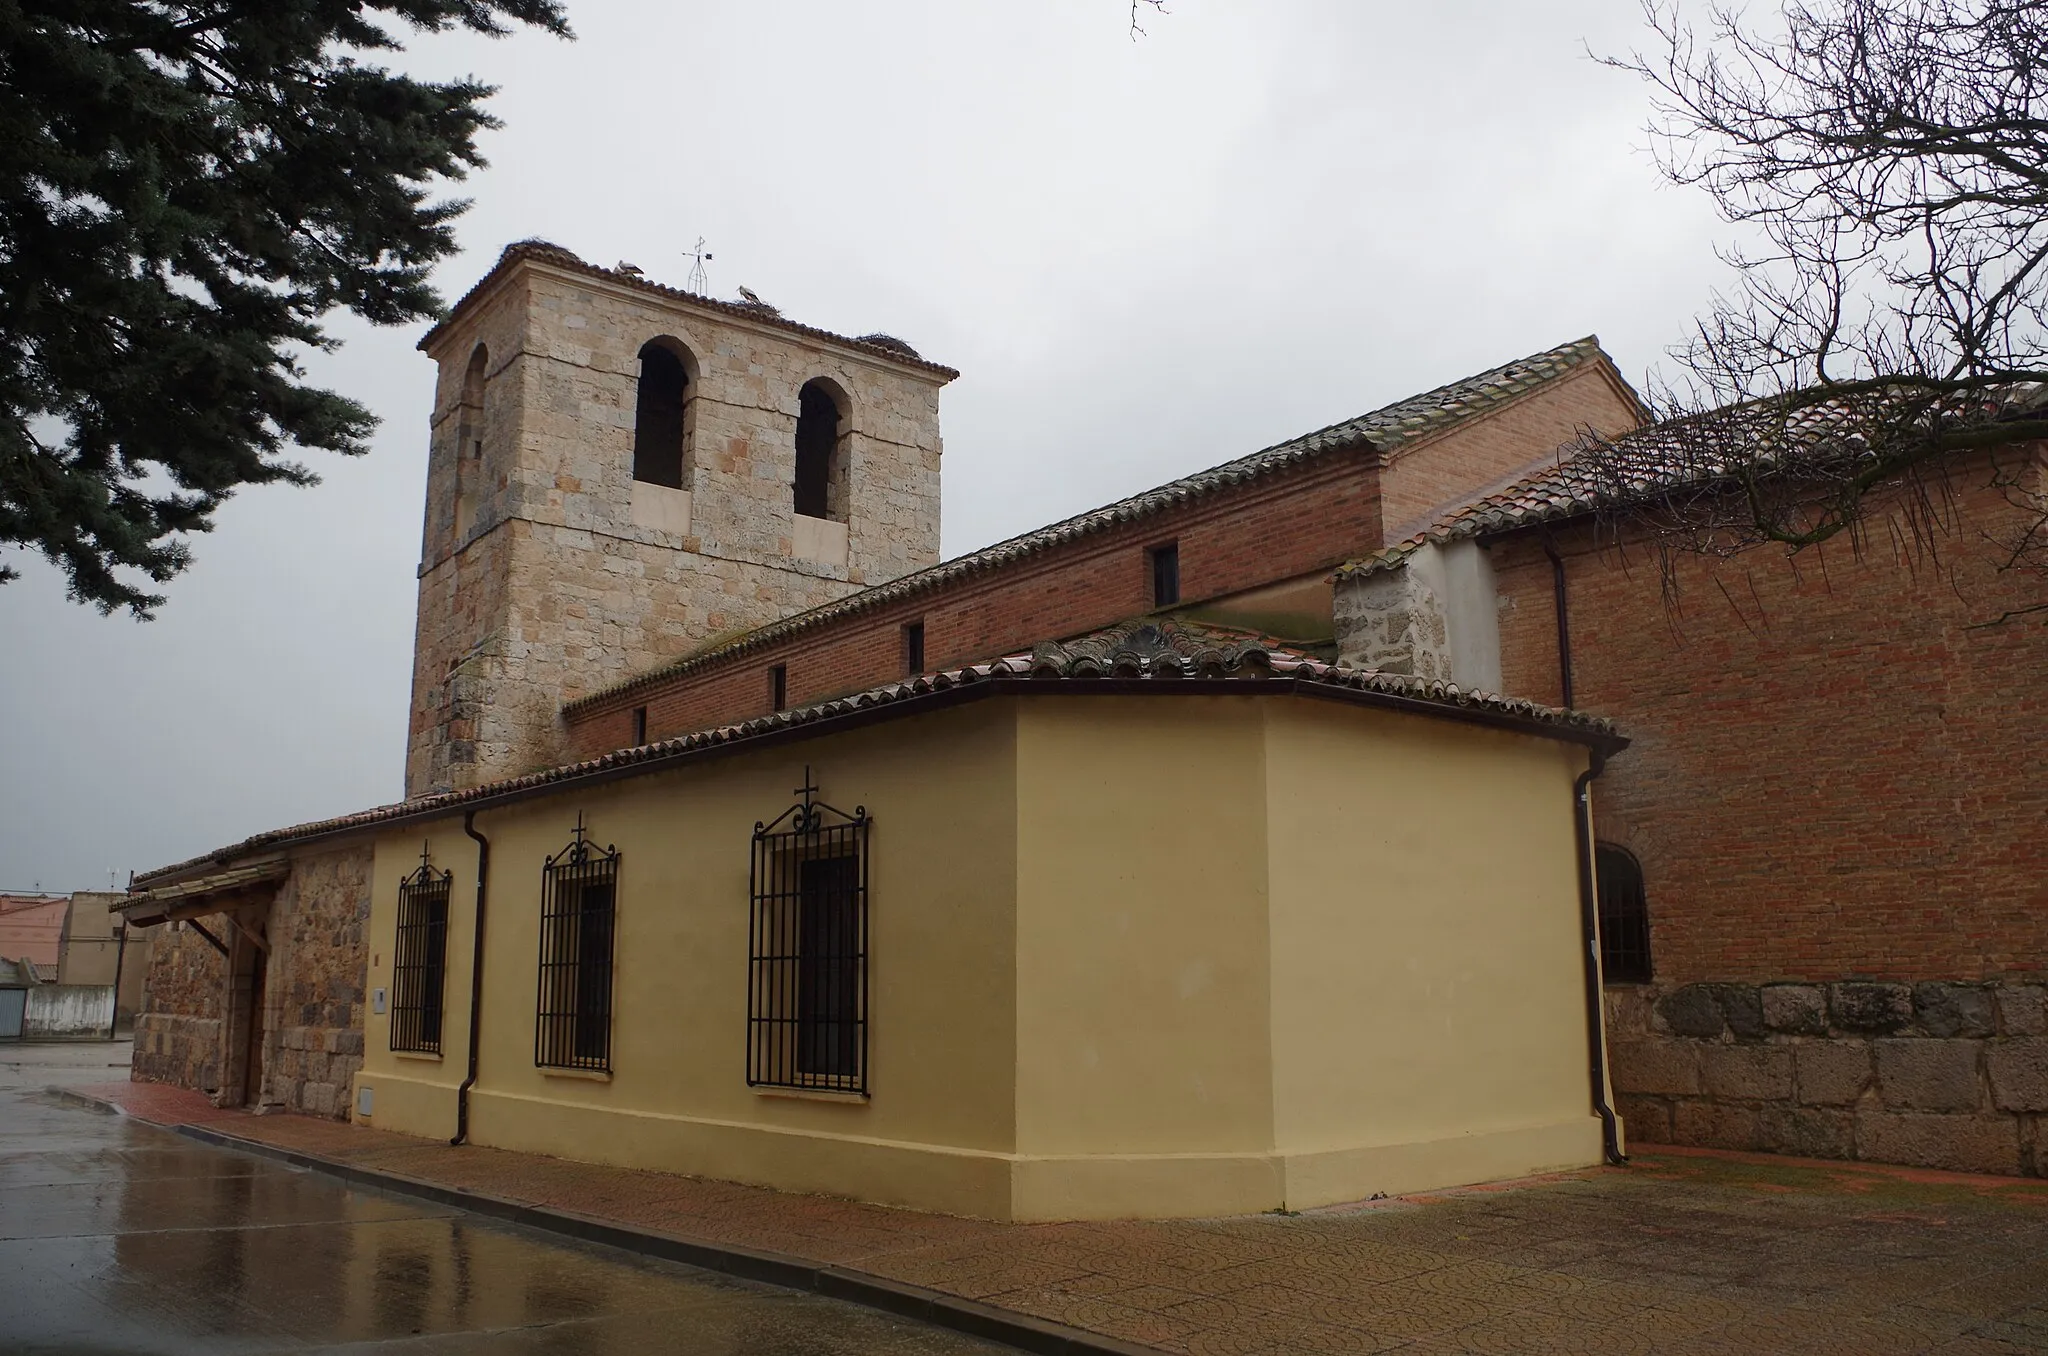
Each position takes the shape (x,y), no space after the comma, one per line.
(1429,1012)
(417,1091)
(1130,955)
(1290,952)
(1142,1046)
(939,1124)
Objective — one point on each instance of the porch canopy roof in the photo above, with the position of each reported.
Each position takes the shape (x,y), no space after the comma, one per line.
(197,896)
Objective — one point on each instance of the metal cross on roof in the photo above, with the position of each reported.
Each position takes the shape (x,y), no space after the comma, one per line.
(700,281)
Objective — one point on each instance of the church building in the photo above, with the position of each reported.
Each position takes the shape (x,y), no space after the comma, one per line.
(1073,877)
(1244,844)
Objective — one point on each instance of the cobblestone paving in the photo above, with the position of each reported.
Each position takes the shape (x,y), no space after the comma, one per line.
(1684,1252)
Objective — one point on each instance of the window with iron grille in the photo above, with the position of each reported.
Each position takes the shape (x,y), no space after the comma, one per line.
(420,959)
(1624,917)
(578,912)
(807,998)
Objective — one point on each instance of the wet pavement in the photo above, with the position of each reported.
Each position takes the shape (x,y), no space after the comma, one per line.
(117,1236)
(1686,1252)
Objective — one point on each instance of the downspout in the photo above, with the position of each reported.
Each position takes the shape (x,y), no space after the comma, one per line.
(476,976)
(1589,929)
(1589,884)
(1564,625)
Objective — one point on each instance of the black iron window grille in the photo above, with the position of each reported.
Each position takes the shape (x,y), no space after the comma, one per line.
(1624,917)
(578,915)
(807,992)
(420,959)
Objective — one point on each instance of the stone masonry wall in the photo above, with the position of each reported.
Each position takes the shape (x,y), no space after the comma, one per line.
(313,992)
(178,1031)
(1937,1074)
(1392,622)
(556,591)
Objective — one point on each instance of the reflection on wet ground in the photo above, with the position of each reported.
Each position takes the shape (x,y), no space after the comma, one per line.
(120,1237)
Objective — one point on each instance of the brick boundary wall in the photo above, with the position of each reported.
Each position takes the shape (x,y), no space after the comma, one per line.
(1835,793)
(1938,1074)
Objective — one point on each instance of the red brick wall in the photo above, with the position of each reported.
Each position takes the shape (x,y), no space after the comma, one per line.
(1837,772)
(1229,542)
(1424,483)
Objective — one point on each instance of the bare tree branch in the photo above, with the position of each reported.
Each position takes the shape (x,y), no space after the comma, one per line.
(1890,159)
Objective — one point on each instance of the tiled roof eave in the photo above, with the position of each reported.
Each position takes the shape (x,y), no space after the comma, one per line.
(1572,490)
(1012,676)
(1490,524)
(154,904)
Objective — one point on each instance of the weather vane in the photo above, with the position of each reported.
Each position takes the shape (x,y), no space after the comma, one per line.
(700,281)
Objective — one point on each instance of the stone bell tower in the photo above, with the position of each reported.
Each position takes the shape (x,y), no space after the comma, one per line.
(620,472)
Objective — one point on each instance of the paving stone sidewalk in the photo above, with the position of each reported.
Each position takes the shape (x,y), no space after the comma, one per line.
(1685,1251)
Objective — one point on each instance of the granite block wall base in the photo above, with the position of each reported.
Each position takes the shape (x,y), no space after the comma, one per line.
(1938,1073)
(178,1049)
(313,1018)
(178,1032)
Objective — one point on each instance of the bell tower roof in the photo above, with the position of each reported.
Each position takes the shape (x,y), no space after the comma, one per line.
(544,254)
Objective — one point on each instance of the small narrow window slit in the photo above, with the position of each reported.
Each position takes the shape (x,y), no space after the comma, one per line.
(1165,574)
(913,648)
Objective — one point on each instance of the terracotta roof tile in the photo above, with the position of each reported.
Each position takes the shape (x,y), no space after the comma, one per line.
(221,882)
(1146,651)
(1642,464)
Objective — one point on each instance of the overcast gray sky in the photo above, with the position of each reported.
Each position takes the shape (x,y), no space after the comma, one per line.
(1144,257)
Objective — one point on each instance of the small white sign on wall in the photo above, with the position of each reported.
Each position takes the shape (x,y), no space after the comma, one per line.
(363,1101)
(376,1000)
